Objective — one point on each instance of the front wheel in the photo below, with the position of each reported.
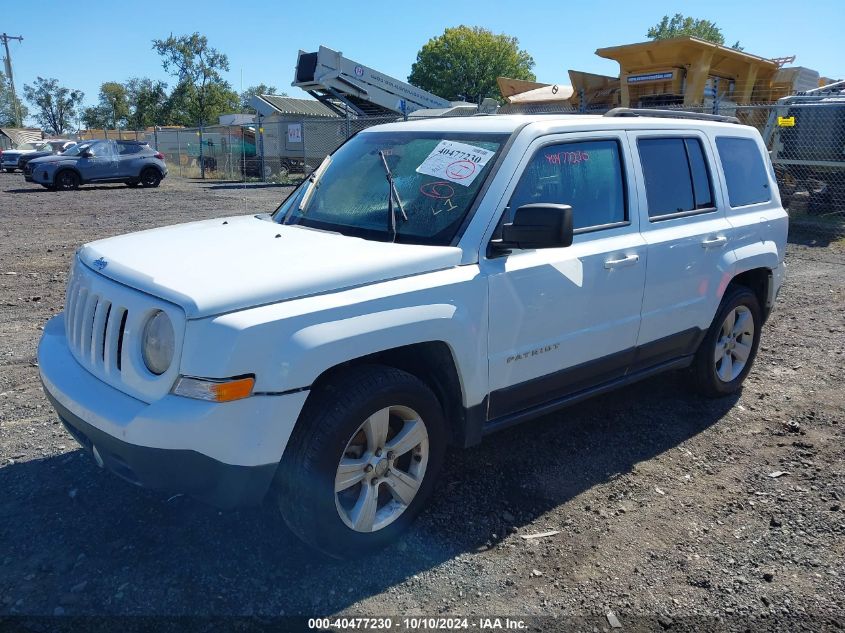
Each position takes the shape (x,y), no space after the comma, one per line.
(362,461)
(66,180)
(727,353)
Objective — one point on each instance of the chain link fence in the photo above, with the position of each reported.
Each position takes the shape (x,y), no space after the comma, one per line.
(807,144)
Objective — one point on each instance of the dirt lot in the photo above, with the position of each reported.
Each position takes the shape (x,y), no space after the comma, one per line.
(667,510)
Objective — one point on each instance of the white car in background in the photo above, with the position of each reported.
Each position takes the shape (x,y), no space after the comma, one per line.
(10,158)
(432,282)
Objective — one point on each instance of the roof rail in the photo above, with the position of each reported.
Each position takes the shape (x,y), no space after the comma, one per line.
(671,114)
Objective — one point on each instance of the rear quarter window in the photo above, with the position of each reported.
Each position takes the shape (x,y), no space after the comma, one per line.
(745,171)
(126,149)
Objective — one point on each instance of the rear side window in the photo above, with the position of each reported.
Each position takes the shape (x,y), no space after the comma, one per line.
(676,176)
(586,175)
(129,148)
(745,171)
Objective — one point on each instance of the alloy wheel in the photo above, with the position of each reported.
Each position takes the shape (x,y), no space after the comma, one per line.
(381,469)
(734,344)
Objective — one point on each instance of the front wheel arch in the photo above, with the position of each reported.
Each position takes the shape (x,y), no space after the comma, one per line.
(66,170)
(433,363)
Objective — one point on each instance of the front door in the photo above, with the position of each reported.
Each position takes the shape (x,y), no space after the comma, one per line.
(101,164)
(563,320)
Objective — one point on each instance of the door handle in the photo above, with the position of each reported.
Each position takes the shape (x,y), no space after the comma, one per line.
(630,260)
(715,242)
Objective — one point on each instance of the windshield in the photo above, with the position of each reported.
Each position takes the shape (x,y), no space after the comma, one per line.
(76,149)
(436,176)
(26,146)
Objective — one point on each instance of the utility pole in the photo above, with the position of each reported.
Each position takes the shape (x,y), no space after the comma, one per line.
(6,39)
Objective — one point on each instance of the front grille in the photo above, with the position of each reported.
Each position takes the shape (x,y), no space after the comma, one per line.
(104,321)
(95,328)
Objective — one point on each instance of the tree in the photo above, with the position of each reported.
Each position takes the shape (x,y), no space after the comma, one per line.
(680,25)
(260,89)
(147,102)
(112,111)
(197,66)
(8,111)
(56,106)
(464,63)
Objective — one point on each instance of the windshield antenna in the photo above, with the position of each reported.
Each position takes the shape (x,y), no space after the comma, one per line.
(391,192)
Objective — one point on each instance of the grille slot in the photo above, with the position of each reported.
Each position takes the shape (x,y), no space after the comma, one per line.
(95,328)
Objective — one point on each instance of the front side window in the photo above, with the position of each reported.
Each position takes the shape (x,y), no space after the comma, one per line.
(98,148)
(676,176)
(586,175)
(437,176)
(745,172)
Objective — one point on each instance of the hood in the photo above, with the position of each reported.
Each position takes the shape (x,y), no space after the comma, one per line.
(233,263)
(16,152)
(32,156)
(50,158)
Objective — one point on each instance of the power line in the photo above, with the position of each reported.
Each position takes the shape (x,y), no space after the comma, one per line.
(8,61)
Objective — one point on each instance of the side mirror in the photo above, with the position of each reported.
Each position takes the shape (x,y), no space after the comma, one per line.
(542,225)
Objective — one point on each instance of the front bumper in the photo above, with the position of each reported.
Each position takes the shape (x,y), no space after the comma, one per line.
(38,173)
(223,454)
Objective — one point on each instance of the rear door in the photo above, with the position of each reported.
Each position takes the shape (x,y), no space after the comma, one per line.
(563,320)
(128,165)
(682,219)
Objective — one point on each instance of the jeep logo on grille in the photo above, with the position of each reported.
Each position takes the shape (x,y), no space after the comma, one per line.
(99,264)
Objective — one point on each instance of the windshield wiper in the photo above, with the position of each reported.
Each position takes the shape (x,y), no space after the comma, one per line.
(391,192)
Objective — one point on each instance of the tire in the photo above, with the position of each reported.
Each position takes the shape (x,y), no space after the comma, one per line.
(150,178)
(719,369)
(332,428)
(66,180)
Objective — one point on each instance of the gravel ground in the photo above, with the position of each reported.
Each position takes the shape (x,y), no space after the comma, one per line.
(666,507)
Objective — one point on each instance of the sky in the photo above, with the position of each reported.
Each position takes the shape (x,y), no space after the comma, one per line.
(103,40)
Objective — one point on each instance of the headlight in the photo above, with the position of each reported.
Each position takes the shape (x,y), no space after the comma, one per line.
(158,343)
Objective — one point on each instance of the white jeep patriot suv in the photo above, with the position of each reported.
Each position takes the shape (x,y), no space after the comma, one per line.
(430,283)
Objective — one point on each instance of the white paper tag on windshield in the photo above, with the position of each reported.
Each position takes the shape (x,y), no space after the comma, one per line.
(456,162)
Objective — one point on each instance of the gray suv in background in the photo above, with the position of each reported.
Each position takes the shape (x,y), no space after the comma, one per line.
(132,162)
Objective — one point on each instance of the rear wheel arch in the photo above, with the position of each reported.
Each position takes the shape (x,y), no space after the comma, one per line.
(759,281)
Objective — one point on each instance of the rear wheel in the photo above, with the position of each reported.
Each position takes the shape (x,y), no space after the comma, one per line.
(362,461)
(727,353)
(67,179)
(150,177)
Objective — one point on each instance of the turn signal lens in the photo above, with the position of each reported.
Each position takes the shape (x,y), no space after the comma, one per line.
(214,390)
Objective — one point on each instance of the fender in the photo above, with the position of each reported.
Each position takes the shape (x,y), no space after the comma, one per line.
(289,344)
